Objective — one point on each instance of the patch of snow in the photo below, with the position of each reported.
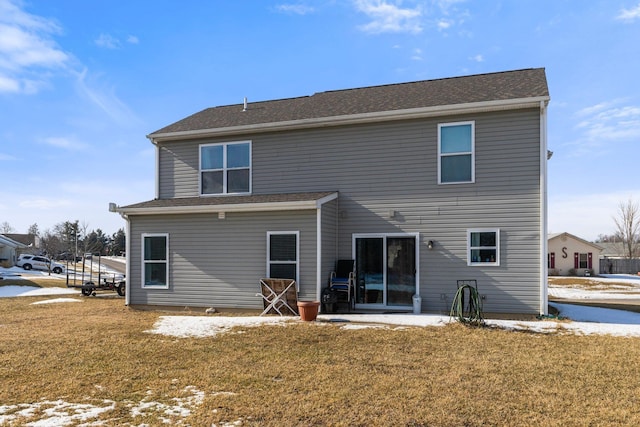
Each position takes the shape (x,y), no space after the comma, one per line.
(182,407)
(56,413)
(56,300)
(582,294)
(30,291)
(198,326)
(625,278)
(586,321)
(61,413)
(120,259)
(18,273)
(611,288)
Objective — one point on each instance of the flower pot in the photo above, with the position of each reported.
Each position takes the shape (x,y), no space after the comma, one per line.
(308,310)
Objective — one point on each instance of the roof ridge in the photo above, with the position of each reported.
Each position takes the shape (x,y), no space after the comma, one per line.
(330,91)
(527,83)
(432,80)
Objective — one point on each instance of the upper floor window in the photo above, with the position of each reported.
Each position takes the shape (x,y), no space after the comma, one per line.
(483,246)
(456,152)
(225,168)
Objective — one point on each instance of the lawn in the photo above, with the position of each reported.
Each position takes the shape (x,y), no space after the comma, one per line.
(93,361)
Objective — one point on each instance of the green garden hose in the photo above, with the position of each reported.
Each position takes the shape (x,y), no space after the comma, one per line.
(473,310)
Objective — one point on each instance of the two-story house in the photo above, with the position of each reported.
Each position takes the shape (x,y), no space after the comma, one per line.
(421,183)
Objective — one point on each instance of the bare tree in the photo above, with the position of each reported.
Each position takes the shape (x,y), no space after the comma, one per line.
(628,227)
(5,227)
(84,227)
(51,245)
(33,230)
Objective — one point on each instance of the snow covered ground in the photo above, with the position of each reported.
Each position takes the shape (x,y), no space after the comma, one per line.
(606,286)
(585,320)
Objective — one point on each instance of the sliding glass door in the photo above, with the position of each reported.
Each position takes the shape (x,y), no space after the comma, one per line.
(386,269)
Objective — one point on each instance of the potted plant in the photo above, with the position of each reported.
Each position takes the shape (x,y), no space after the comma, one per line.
(308,310)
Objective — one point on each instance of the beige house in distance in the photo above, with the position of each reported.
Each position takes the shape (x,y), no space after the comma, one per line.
(568,252)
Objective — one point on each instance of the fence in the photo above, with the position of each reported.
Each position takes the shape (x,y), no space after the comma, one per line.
(619,266)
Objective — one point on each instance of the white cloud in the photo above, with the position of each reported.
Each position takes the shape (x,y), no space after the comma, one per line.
(8,84)
(297,9)
(64,143)
(444,24)
(608,121)
(5,157)
(43,203)
(629,15)
(477,58)
(107,41)
(445,5)
(27,50)
(387,17)
(595,108)
(395,16)
(105,99)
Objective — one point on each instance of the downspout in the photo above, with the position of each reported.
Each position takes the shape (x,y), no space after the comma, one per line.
(318,253)
(127,247)
(544,270)
(157,174)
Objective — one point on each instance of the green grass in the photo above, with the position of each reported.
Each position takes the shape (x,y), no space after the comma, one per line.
(310,374)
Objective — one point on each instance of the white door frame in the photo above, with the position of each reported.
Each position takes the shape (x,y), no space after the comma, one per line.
(384,236)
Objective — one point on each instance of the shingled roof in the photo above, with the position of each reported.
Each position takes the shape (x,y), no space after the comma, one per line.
(240,203)
(502,86)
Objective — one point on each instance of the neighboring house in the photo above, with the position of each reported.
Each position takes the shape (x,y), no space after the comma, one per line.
(8,250)
(614,259)
(570,255)
(30,240)
(422,183)
(616,250)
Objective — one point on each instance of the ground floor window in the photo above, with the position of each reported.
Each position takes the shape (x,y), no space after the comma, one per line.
(283,253)
(155,261)
(483,246)
(582,260)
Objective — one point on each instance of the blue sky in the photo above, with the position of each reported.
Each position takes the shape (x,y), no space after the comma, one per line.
(83,83)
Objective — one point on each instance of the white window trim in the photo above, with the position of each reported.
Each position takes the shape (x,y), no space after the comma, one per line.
(497,247)
(586,260)
(144,262)
(472,152)
(297,262)
(224,167)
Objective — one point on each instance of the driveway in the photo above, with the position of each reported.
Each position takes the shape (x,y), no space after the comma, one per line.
(617,304)
(117,266)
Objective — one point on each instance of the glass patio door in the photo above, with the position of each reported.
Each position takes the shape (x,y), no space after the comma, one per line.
(386,273)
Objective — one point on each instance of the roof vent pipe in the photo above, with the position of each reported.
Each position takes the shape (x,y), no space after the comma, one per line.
(245,104)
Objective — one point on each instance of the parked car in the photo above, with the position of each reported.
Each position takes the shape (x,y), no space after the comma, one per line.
(36,262)
(66,256)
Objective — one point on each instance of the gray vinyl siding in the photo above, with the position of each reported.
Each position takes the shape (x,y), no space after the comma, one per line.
(329,226)
(388,166)
(219,262)
(179,169)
